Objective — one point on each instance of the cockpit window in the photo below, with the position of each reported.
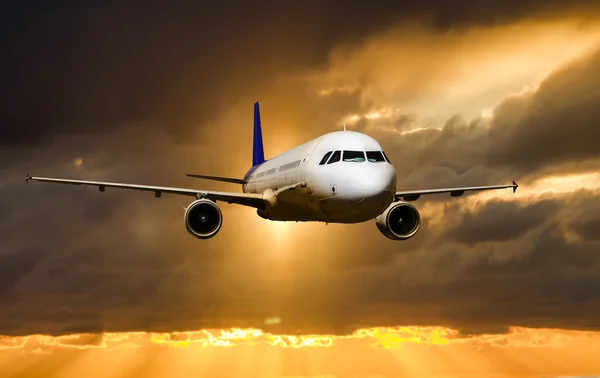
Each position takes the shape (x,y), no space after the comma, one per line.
(386,158)
(335,157)
(375,157)
(324,160)
(354,156)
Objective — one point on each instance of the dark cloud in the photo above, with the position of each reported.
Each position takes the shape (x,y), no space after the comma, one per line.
(552,255)
(141,288)
(588,228)
(499,221)
(554,125)
(13,267)
(75,67)
(587,223)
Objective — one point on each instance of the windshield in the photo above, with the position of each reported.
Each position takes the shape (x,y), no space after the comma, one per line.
(386,158)
(335,157)
(375,156)
(324,160)
(354,156)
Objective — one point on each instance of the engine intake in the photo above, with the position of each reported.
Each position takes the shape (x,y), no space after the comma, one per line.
(203,219)
(400,221)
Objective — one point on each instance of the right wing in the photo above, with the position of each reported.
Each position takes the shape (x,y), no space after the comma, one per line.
(413,195)
(246,199)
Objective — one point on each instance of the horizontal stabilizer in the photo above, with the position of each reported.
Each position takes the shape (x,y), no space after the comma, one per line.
(218,178)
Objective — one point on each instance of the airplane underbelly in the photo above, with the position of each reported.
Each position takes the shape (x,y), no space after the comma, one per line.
(299,205)
(345,209)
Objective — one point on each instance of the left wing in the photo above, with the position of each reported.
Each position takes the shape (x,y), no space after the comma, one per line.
(414,195)
(218,178)
(246,199)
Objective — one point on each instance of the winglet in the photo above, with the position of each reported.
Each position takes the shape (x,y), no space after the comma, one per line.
(27,177)
(258,152)
(515,186)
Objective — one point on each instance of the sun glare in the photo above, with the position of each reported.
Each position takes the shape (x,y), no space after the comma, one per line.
(550,185)
(567,183)
(279,235)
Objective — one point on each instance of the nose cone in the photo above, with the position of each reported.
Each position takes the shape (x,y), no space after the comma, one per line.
(377,181)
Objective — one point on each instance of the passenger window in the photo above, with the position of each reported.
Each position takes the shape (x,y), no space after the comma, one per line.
(324,160)
(335,157)
(354,156)
(386,158)
(375,156)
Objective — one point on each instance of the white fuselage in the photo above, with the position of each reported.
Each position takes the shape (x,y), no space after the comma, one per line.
(300,186)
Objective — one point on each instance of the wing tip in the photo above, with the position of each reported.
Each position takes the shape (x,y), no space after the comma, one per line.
(27,177)
(514,186)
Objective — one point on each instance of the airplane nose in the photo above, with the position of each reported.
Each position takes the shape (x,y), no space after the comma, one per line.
(371,183)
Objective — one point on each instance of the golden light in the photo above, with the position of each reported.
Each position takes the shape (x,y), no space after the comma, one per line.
(351,119)
(550,185)
(373,115)
(480,67)
(487,113)
(379,337)
(566,183)
(278,235)
(414,351)
(416,130)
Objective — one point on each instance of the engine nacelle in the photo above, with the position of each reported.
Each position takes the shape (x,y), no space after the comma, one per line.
(203,219)
(400,221)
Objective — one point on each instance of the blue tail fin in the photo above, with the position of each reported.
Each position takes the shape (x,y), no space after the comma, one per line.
(258,152)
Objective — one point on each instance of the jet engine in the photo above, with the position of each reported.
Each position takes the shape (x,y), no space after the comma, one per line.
(203,219)
(400,221)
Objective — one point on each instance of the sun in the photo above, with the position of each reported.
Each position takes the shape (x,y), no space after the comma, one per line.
(280,235)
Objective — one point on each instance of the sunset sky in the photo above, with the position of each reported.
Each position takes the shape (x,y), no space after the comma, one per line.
(457,92)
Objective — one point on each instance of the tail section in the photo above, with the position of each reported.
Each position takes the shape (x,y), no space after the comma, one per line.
(258,152)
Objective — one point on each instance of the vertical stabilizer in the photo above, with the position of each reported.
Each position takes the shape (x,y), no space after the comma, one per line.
(258,152)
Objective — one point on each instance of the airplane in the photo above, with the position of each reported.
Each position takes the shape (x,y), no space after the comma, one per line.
(339,177)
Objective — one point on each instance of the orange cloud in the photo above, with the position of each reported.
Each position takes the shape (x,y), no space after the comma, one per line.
(383,352)
(378,337)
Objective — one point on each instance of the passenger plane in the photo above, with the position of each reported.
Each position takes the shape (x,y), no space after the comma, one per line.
(340,177)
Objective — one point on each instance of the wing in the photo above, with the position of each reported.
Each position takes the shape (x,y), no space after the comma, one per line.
(218,178)
(414,195)
(246,199)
